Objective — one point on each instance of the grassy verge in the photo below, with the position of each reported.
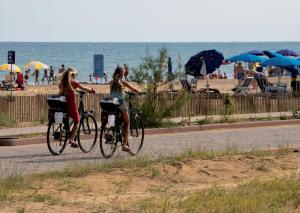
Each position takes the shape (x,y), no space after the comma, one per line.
(232,119)
(46,187)
(7,121)
(276,195)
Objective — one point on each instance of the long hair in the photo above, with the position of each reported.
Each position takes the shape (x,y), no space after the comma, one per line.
(116,81)
(66,79)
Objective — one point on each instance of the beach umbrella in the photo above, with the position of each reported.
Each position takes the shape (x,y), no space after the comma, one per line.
(245,57)
(36,65)
(271,54)
(288,52)
(9,67)
(256,52)
(280,61)
(170,69)
(212,59)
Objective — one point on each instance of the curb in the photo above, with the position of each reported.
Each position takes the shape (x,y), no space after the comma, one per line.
(14,141)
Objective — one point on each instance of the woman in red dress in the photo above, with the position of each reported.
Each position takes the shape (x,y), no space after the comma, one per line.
(67,87)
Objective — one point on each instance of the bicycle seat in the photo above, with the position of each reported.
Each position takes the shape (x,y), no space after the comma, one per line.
(109,103)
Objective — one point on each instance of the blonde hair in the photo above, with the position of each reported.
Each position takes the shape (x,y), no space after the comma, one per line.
(66,79)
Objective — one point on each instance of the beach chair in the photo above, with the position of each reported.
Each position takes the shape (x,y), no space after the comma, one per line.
(186,85)
(245,88)
(189,88)
(265,87)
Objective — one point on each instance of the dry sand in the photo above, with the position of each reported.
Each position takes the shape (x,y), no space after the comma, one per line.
(224,85)
(121,190)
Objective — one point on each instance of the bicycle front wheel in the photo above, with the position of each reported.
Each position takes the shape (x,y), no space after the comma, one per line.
(108,143)
(136,135)
(56,138)
(87,133)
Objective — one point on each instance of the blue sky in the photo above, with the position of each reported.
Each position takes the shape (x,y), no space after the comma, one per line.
(150,20)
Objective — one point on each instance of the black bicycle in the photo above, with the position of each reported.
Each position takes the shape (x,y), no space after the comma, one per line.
(59,132)
(112,136)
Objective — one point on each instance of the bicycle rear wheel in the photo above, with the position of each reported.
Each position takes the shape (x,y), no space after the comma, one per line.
(56,138)
(87,133)
(136,135)
(108,143)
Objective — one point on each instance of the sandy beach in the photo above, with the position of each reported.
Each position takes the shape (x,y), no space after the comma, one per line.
(224,85)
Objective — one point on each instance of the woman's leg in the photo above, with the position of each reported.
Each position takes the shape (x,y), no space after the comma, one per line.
(74,131)
(126,120)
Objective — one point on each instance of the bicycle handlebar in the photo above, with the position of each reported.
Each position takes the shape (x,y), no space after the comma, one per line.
(134,94)
(81,92)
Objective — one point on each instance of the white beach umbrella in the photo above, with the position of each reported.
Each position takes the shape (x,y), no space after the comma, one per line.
(10,67)
(36,65)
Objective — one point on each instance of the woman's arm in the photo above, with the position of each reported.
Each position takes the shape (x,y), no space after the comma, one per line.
(61,89)
(125,84)
(91,90)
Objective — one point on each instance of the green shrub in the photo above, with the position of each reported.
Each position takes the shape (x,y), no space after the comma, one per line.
(153,70)
(7,121)
(204,121)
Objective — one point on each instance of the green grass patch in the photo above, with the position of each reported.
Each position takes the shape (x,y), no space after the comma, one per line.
(11,186)
(7,121)
(276,195)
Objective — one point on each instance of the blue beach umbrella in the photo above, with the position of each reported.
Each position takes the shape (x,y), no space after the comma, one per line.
(245,57)
(212,59)
(288,52)
(256,52)
(271,54)
(280,61)
(170,69)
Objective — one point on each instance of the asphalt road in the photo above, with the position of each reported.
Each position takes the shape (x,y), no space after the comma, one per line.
(37,158)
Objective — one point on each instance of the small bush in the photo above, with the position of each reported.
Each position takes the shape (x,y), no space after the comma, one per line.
(204,121)
(153,70)
(7,121)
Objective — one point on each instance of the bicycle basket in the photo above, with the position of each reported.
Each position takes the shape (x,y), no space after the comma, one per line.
(109,104)
(57,102)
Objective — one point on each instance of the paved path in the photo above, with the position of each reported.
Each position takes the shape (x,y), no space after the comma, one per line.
(43,129)
(36,158)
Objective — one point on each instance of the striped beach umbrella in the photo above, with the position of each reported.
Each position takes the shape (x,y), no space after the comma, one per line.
(9,67)
(36,65)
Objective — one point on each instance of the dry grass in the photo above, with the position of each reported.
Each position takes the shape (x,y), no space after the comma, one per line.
(204,181)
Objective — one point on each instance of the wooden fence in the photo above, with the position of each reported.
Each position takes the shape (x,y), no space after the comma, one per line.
(35,108)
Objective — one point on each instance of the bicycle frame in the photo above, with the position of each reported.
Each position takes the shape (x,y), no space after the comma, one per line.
(81,113)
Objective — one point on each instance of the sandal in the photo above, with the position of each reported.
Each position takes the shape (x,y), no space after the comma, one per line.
(125,148)
(74,145)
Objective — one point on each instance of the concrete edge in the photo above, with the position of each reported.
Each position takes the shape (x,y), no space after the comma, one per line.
(158,131)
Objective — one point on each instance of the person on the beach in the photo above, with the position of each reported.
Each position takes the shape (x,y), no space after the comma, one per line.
(26,77)
(67,87)
(62,69)
(36,74)
(239,73)
(126,72)
(51,76)
(45,76)
(20,81)
(117,86)
(224,76)
(105,77)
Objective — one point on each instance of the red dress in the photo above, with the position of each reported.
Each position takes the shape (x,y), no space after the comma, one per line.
(71,106)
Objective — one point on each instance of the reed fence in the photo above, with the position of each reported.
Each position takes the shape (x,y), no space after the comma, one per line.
(35,108)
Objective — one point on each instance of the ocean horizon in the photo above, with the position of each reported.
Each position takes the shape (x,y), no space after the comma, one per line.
(80,54)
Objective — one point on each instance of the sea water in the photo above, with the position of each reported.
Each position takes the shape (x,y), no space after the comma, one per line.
(80,55)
